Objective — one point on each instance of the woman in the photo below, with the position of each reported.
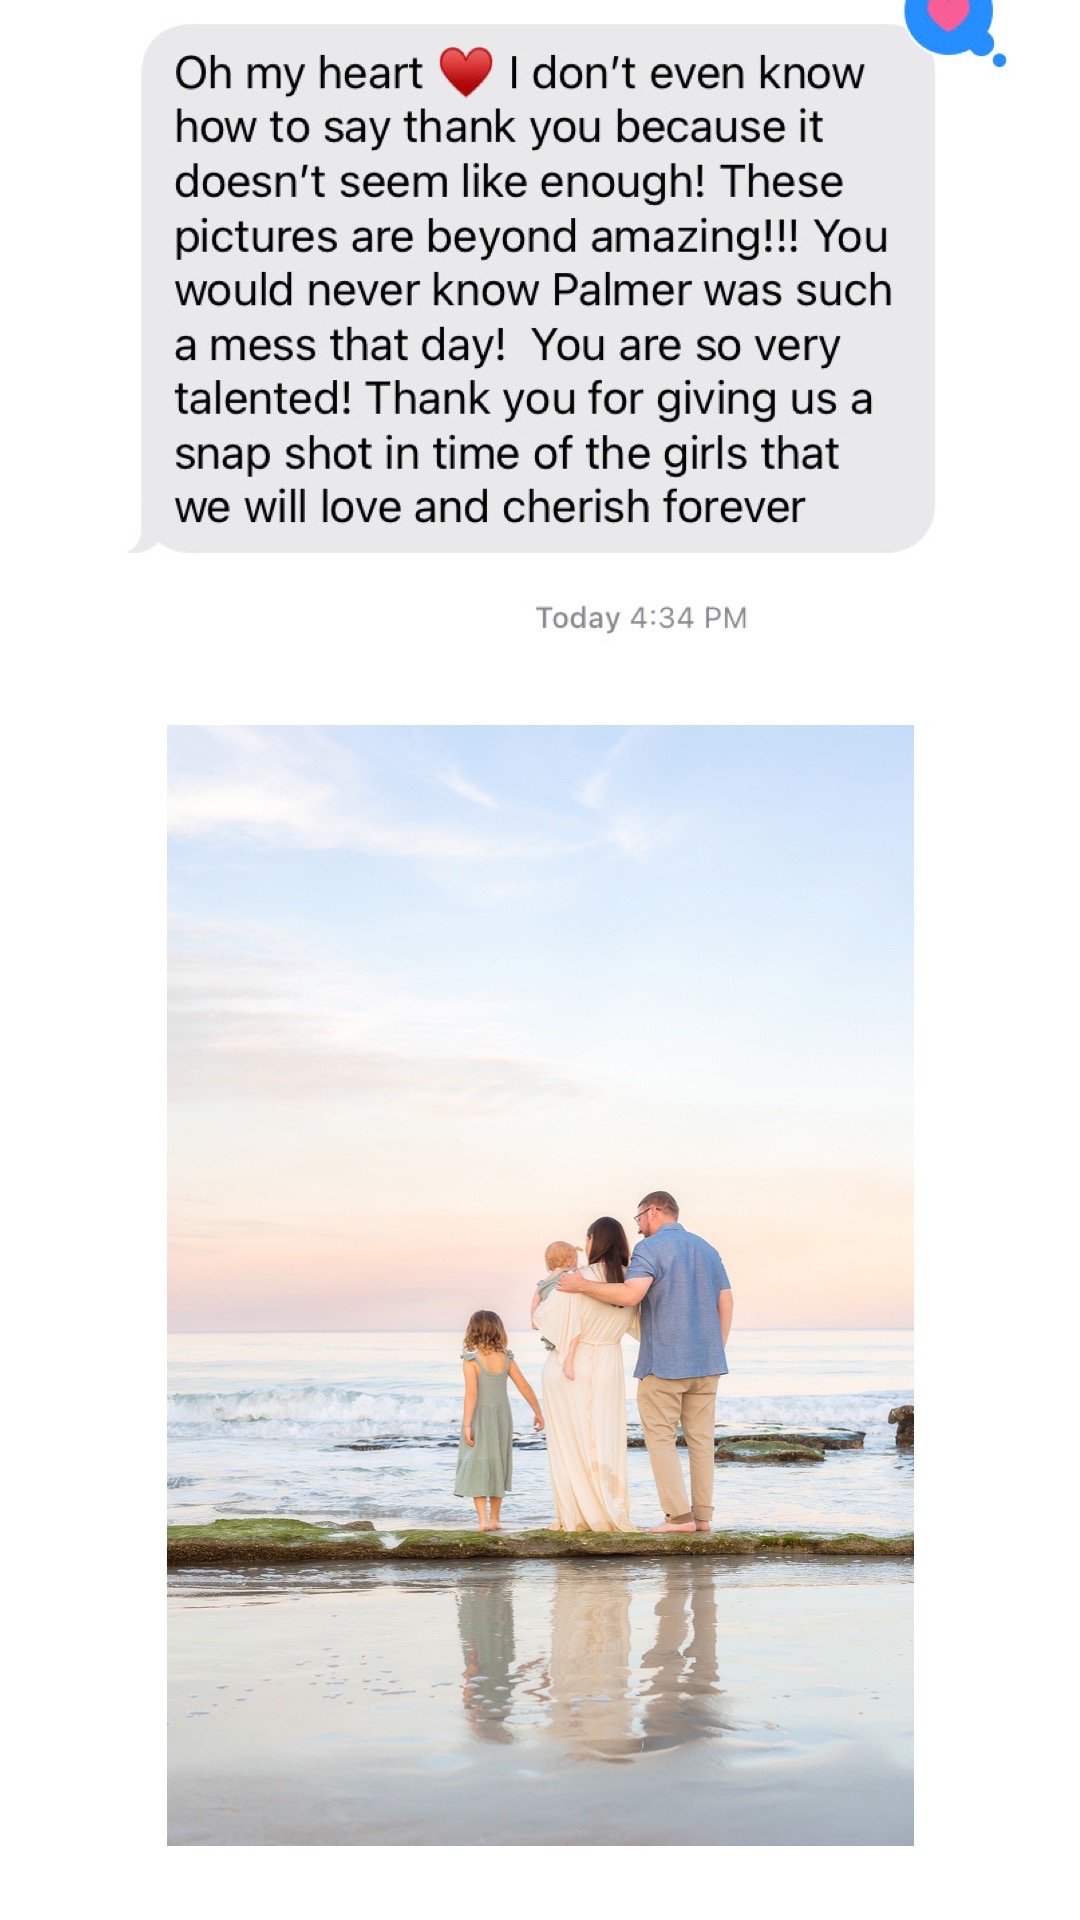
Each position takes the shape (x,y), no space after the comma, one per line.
(584,1392)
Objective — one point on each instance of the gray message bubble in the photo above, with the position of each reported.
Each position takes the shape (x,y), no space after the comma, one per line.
(552,289)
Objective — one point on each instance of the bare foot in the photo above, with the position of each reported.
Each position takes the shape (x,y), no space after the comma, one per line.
(676,1526)
(703,1526)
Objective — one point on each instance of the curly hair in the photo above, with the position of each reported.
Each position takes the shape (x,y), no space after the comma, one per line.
(485,1333)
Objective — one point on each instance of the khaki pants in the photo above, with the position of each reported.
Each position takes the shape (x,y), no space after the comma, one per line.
(664,1406)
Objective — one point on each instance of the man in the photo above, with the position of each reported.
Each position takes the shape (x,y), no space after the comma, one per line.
(686,1303)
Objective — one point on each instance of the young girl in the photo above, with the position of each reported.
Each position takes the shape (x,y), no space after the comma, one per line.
(487,1429)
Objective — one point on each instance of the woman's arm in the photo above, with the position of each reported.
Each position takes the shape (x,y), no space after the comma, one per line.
(532,1310)
(568,1363)
(524,1388)
(468,1368)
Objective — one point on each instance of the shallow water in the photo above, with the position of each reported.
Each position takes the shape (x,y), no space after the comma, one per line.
(592,1703)
(260,1423)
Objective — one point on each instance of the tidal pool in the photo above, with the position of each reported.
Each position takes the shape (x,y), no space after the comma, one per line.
(559,1703)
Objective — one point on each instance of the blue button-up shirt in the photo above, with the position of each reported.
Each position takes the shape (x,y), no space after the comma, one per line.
(680,1314)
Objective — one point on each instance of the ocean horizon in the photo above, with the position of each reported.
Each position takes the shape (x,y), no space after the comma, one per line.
(209,1333)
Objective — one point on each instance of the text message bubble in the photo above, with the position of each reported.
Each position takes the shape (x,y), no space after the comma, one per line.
(574,289)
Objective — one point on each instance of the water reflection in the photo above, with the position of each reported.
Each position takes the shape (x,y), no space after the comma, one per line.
(617,1664)
(486,1625)
(681,1693)
(589,1699)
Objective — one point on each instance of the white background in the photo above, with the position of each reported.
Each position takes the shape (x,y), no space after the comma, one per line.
(967,635)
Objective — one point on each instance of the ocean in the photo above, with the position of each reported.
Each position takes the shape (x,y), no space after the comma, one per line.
(269,1423)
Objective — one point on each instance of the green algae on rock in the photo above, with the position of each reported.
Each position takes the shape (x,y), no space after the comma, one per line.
(276,1542)
(774,1452)
(775,1444)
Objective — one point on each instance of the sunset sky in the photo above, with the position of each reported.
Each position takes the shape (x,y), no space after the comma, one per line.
(441,995)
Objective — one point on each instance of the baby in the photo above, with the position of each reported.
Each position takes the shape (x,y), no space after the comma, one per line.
(560,1257)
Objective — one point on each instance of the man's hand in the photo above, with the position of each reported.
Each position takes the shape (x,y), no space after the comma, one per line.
(621,1293)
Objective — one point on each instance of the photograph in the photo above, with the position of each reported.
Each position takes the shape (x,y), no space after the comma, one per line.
(541,1410)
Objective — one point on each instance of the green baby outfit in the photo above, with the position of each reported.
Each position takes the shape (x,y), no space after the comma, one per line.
(486,1467)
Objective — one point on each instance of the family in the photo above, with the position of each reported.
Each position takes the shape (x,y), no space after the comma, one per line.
(674,1297)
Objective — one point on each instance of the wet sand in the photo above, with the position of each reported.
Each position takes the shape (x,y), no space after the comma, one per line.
(565,1704)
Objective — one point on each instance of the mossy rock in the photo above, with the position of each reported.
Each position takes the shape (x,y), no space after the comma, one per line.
(276,1542)
(768,1452)
(830,1440)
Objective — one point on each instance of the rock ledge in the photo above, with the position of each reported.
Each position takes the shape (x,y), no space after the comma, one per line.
(271,1542)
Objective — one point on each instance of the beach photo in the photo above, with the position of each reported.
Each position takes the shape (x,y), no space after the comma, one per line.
(540,1398)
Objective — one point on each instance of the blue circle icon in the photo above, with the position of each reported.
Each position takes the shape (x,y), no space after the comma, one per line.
(953,26)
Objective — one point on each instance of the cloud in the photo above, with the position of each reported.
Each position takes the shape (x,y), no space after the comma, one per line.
(629,826)
(304,794)
(466,789)
(257,1017)
(305,788)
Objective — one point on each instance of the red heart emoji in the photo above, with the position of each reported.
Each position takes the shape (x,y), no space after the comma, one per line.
(948,14)
(465,71)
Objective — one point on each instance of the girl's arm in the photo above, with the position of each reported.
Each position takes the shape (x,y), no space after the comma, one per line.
(532,1310)
(468,1368)
(524,1388)
(568,1363)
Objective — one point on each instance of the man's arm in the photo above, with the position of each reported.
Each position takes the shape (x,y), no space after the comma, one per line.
(727,1302)
(625,1293)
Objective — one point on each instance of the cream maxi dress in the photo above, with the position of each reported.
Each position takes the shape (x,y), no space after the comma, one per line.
(585,1418)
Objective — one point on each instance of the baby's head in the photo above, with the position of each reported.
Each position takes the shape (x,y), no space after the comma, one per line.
(560,1255)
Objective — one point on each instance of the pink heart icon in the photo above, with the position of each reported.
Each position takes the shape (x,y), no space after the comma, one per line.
(948,14)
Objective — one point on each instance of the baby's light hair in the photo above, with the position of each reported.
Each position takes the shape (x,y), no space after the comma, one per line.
(560,1254)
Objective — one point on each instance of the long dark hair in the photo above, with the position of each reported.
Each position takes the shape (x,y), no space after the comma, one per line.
(610,1249)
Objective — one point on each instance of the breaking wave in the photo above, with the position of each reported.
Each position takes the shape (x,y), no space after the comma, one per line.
(341,1413)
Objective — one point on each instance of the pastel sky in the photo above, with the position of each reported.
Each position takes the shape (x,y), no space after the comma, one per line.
(441,995)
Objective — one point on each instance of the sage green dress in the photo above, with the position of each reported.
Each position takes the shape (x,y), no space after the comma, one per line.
(485,1468)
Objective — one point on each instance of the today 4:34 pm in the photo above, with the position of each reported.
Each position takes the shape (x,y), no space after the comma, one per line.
(607,620)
